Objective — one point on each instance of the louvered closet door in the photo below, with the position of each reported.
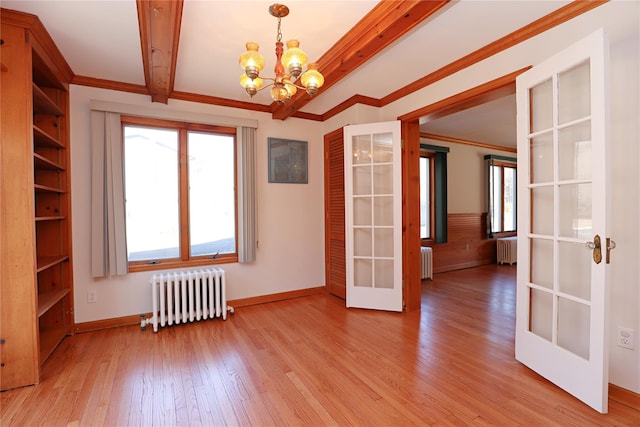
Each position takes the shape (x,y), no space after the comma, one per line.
(334,213)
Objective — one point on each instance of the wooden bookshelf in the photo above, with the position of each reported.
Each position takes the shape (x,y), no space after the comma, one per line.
(37,290)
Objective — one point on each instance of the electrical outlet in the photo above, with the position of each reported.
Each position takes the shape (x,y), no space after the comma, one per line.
(625,337)
(92,297)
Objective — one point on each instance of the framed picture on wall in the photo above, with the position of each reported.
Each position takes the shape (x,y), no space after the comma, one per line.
(287,161)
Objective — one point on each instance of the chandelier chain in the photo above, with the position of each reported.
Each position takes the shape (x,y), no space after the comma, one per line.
(279,38)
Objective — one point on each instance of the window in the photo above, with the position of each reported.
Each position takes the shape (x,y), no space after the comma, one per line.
(433,193)
(180,193)
(502,195)
(426,192)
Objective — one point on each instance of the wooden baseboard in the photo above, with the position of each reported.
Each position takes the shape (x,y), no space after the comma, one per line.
(461,266)
(243,302)
(108,323)
(624,396)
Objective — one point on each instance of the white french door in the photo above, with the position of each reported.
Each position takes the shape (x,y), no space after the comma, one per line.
(373,215)
(563,240)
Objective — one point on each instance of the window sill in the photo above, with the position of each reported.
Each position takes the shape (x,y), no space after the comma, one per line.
(503,234)
(175,264)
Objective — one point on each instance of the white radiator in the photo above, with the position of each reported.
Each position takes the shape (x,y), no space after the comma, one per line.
(187,296)
(426,258)
(507,250)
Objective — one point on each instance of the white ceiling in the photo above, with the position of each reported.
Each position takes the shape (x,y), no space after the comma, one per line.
(471,124)
(100,39)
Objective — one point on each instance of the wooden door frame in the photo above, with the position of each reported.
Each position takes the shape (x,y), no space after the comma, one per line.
(410,135)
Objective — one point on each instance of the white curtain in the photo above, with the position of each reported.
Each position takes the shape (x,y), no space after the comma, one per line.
(108,235)
(246,195)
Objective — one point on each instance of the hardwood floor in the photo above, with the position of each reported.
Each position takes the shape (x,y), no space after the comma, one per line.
(311,361)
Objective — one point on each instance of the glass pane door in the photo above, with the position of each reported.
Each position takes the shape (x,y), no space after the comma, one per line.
(561,308)
(373,216)
(560,276)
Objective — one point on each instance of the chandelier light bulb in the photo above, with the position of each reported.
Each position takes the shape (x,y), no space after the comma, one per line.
(294,58)
(312,80)
(252,62)
(252,86)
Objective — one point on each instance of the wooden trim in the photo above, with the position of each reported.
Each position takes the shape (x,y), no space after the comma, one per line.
(42,43)
(223,102)
(355,99)
(466,142)
(624,396)
(539,26)
(262,299)
(384,24)
(243,302)
(46,48)
(116,322)
(183,195)
(496,89)
(307,116)
(468,97)
(109,84)
(169,264)
(159,23)
(17,19)
(411,215)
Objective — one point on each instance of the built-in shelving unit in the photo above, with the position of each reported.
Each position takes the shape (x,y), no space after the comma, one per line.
(37,288)
(51,186)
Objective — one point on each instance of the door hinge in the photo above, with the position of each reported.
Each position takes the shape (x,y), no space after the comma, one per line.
(610,246)
(403,284)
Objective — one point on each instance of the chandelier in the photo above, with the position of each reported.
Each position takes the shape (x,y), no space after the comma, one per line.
(288,67)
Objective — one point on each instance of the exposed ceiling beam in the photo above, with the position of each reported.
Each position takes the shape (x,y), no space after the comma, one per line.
(387,22)
(159,23)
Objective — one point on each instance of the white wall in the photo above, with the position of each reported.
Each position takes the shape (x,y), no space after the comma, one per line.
(621,21)
(466,185)
(290,255)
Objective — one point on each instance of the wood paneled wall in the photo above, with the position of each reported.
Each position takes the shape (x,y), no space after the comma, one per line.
(467,245)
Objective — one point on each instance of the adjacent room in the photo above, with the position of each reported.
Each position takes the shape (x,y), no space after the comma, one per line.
(320,213)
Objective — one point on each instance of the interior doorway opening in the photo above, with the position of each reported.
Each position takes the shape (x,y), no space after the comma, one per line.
(413,125)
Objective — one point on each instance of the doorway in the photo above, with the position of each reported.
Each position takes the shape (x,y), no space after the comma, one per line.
(490,91)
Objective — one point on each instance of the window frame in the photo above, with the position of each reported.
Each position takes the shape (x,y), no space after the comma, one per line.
(439,206)
(183,128)
(430,155)
(502,163)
